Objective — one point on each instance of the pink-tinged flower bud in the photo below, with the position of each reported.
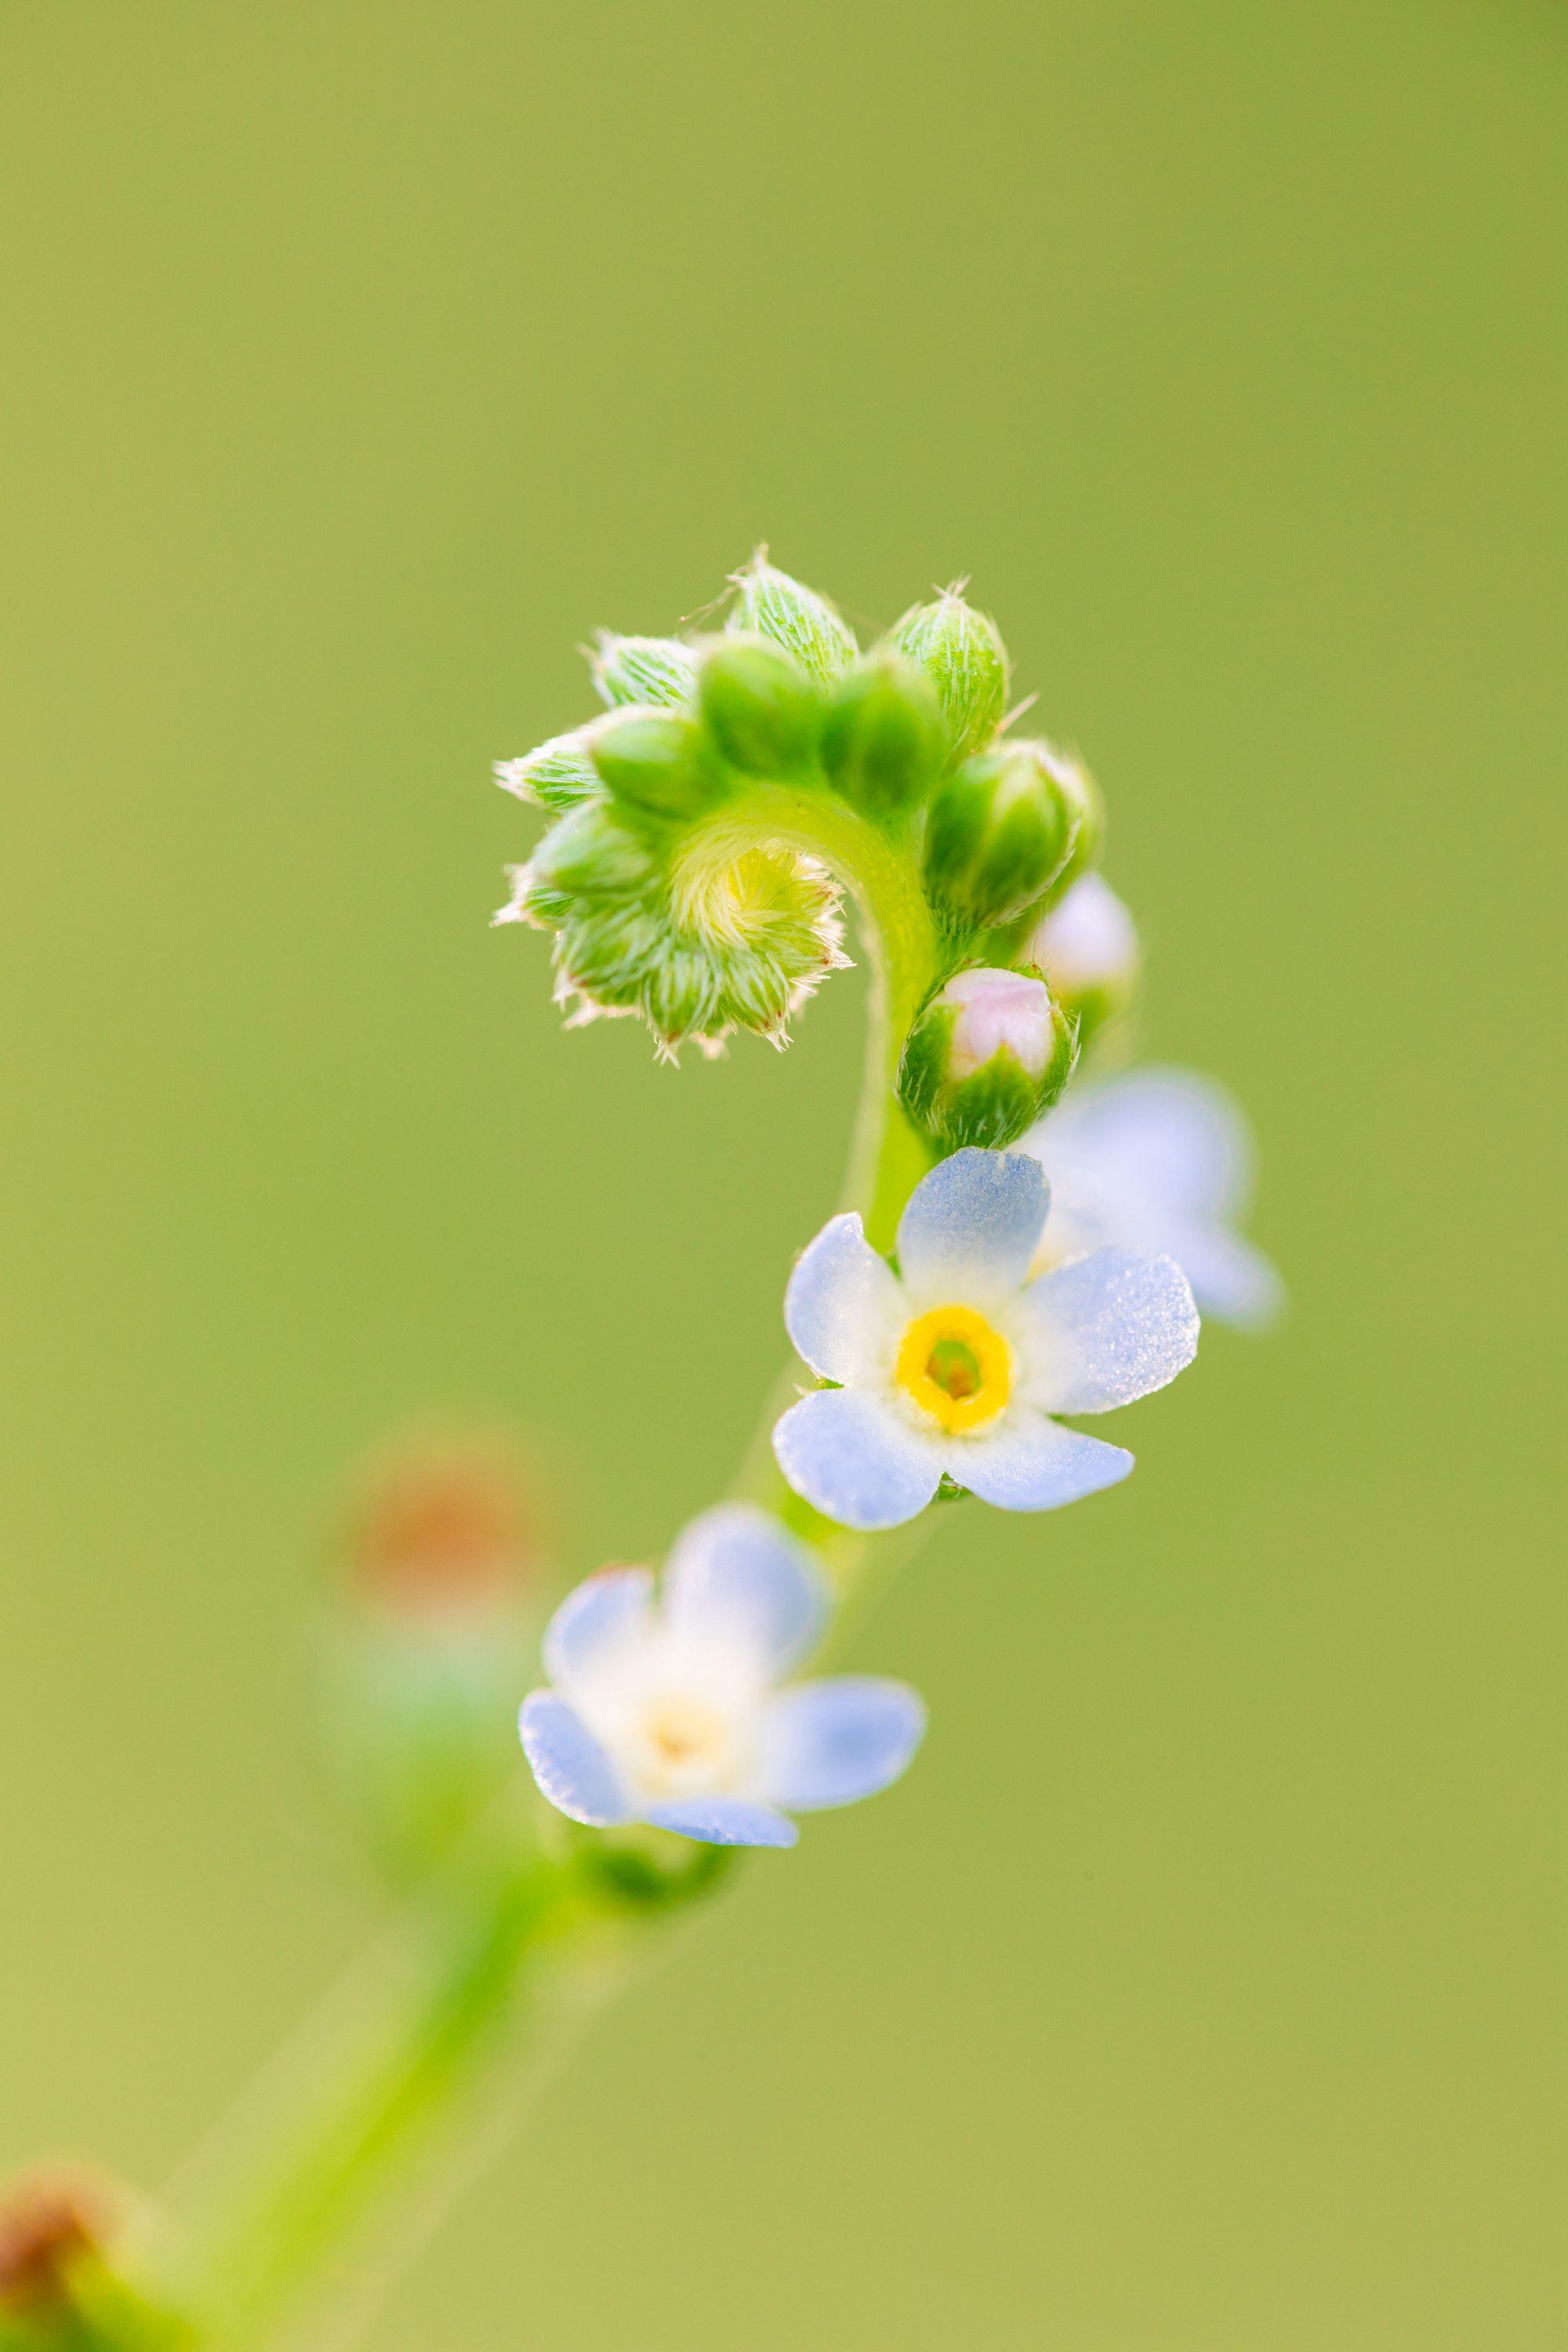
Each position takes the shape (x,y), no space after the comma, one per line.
(988,1055)
(996,1009)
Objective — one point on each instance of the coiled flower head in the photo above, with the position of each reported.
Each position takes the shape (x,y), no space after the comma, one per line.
(703,823)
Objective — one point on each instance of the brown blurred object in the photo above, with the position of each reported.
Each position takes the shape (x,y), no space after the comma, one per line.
(443,1522)
(51,2219)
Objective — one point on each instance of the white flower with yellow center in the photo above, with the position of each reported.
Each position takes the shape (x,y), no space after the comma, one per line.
(666,1710)
(955,1365)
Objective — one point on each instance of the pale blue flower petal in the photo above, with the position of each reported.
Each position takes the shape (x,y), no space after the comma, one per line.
(737,1577)
(1030,1464)
(723,1821)
(977,1217)
(831,1743)
(853,1457)
(1110,1327)
(842,1307)
(1169,1135)
(570,1766)
(601,1616)
(1231,1278)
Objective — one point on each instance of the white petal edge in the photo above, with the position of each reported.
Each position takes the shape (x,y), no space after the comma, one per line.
(572,1768)
(736,1576)
(1231,1278)
(1029,1463)
(599,1619)
(842,1305)
(723,1821)
(1108,1329)
(852,1458)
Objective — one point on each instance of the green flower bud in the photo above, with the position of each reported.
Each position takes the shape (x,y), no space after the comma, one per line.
(660,671)
(986,1057)
(759,707)
(655,762)
(998,835)
(771,604)
(684,997)
(884,741)
(559,775)
(1083,796)
(607,952)
(962,653)
(593,854)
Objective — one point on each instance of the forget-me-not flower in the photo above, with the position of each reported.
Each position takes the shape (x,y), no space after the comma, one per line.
(668,1709)
(955,1364)
(1157,1160)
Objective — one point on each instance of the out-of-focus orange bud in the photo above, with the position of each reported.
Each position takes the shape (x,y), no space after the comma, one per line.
(443,1525)
(52,2221)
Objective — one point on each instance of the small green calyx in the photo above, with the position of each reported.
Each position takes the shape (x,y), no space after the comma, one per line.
(660,671)
(558,776)
(768,604)
(593,854)
(884,741)
(987,1057)
(999,833)
(961,651)
(762,710)
(657,762)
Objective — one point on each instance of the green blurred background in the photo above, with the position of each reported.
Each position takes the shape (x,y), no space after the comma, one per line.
(1203,1988)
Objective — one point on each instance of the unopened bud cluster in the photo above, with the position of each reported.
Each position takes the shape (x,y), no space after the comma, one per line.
(665,880)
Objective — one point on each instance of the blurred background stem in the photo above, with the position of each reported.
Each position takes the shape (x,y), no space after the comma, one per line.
(498,1947)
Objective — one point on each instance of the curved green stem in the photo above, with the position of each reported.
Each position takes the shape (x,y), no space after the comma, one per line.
(879,867)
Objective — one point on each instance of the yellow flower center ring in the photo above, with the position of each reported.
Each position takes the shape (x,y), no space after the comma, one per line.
(956,1367)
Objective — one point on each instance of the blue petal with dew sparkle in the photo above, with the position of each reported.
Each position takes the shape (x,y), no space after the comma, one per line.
(1107,1329)
(571,1768)
(736,1576)
(979,1213)
(855,1460)
(831,1743)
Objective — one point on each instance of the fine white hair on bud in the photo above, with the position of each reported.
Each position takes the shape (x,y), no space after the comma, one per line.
(768,604)
(996,1008)
(660,671)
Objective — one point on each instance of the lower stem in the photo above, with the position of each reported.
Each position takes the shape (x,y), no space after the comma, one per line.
(524,1925)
